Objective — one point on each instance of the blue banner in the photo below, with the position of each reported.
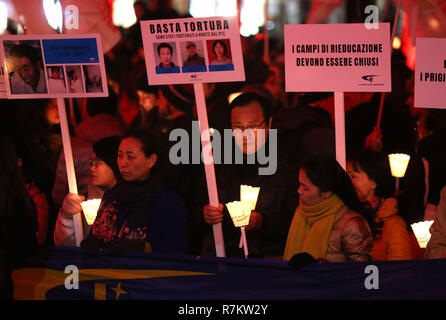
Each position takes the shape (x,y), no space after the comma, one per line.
(66,51)
(143,276)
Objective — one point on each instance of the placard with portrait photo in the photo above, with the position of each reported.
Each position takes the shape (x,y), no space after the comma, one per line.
(192,43)
(38,66)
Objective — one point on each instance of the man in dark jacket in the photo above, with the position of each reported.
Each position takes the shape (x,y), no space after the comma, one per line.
(277,200)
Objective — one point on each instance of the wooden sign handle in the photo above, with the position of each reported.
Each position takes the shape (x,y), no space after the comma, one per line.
(209,165)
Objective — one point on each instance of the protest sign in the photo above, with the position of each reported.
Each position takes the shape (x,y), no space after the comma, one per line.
(193,50)
(430,73)
(337,57)
(54,66)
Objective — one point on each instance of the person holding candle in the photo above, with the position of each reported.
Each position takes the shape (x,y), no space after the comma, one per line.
(251,117)
(370,175)
(101,122)
(329,224)
(103,173)
(139,213)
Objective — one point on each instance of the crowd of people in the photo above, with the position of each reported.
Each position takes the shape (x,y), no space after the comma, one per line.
(309,208)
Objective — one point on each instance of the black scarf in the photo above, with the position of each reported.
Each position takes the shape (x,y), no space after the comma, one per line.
(133,199)
(131,191)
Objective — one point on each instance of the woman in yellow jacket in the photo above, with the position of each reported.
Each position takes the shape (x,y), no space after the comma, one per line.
(370,175)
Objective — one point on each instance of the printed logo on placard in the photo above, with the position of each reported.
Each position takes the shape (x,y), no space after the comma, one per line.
(370,78)
(195,77)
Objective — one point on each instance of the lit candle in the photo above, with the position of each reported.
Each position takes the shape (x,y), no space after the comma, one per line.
(90,209)
(398,164)
(240,211)
(421,231)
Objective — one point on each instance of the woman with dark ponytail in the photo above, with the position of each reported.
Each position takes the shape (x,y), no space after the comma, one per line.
(330,223)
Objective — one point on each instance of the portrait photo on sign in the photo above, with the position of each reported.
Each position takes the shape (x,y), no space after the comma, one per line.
(56,79)
(192,53)
(25,66)
(166,57)
(219,51)
(74,77)
(93,80)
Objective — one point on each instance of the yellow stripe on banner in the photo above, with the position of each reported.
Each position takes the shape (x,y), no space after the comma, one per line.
(100,291)
(34,283)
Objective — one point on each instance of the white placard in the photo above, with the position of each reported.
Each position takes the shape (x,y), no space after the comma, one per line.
(337,58)
(430,73)
(193,50)
(54,66)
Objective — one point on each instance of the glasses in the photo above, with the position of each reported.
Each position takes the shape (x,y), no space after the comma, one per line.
(251,127)
(95,162)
